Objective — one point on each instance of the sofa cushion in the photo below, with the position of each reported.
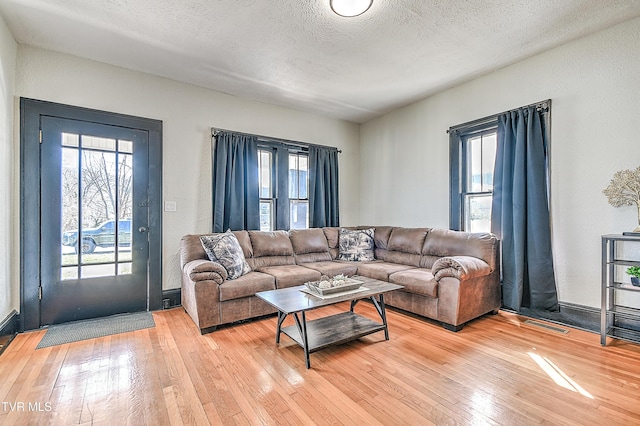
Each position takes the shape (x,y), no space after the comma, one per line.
(332,269)
(404,246)
(418,281)
(245,243)
(309,245)
(381,234)
(291,275)
(407,240)
(356,245)
(274,243)
(444,242)
(310,240)
(270,249)
(225,249)
(333,236)
(381,270)
(246,285)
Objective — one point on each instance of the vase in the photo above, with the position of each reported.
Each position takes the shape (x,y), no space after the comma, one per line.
(635,281)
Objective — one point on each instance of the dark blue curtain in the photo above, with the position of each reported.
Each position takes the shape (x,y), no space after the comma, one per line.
(520,210)
(236,198)
(323,187)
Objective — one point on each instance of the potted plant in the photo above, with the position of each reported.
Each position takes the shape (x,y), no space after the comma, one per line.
(634,272)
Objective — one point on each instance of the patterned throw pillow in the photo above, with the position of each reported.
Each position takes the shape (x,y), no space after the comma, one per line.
(356,245)
(225,250)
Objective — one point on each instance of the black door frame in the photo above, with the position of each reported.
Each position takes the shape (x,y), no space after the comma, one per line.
(31,111)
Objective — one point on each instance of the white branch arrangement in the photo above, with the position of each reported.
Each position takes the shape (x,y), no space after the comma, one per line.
(624,190)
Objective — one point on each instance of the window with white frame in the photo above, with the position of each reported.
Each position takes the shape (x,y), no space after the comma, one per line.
(473,153)
(284,188)
(298,191)
(267,189)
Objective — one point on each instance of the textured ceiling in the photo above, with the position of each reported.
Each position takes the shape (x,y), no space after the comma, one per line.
(299,54)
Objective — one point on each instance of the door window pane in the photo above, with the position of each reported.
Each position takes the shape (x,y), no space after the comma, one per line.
(95,271)
(98,205)
(69,273)
(103,144)
(70,209)
(124,268)
(125,146)
(97,187)
(70,139)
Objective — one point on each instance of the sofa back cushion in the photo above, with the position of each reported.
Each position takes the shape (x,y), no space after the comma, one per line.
(191,247)
(309,245)
(404,246)
(444,242)
(380,235)
(332,235)
(270,249)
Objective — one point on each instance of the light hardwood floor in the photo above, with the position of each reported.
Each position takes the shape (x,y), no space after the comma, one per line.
(497,370)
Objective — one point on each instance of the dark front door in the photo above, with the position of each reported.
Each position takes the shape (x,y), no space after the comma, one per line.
(94,218)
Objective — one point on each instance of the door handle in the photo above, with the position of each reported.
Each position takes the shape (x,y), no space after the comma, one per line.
(142,229)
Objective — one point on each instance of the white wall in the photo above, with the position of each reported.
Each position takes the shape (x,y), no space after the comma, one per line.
(594,84)
(188,112)
(9,294)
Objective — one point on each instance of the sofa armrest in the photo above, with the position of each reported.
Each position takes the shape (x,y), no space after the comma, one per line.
(203,270)
(460,267)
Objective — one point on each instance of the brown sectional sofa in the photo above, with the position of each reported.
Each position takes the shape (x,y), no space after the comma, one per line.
(449,276)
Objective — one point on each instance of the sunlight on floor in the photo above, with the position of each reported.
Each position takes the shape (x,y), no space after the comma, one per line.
(558,375)
(482,403)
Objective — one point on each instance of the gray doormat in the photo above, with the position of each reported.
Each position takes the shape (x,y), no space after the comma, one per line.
(89,329)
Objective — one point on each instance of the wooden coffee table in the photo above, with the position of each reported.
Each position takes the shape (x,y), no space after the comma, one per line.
(332,330)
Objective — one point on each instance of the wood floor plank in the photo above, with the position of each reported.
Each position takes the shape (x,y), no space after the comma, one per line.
(497,370)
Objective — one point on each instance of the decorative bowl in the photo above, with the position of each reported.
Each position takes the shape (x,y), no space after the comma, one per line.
(338,286)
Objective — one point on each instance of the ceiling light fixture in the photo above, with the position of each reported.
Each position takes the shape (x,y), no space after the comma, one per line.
(350,8)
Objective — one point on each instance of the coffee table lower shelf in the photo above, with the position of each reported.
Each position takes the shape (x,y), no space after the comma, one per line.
(334,330)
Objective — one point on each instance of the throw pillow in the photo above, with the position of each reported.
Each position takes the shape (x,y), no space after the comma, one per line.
(356,245)
(225,250)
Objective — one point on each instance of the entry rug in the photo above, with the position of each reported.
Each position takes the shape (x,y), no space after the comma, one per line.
(89,329)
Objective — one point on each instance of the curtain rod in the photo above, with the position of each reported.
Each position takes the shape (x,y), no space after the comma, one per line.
(296,144)
(542,105)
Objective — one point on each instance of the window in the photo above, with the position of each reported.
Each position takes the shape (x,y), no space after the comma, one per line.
(267,191)
(283,179)
(472,153)
(298,191)
(480,159)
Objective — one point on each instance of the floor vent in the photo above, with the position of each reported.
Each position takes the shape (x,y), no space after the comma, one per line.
(547,326)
